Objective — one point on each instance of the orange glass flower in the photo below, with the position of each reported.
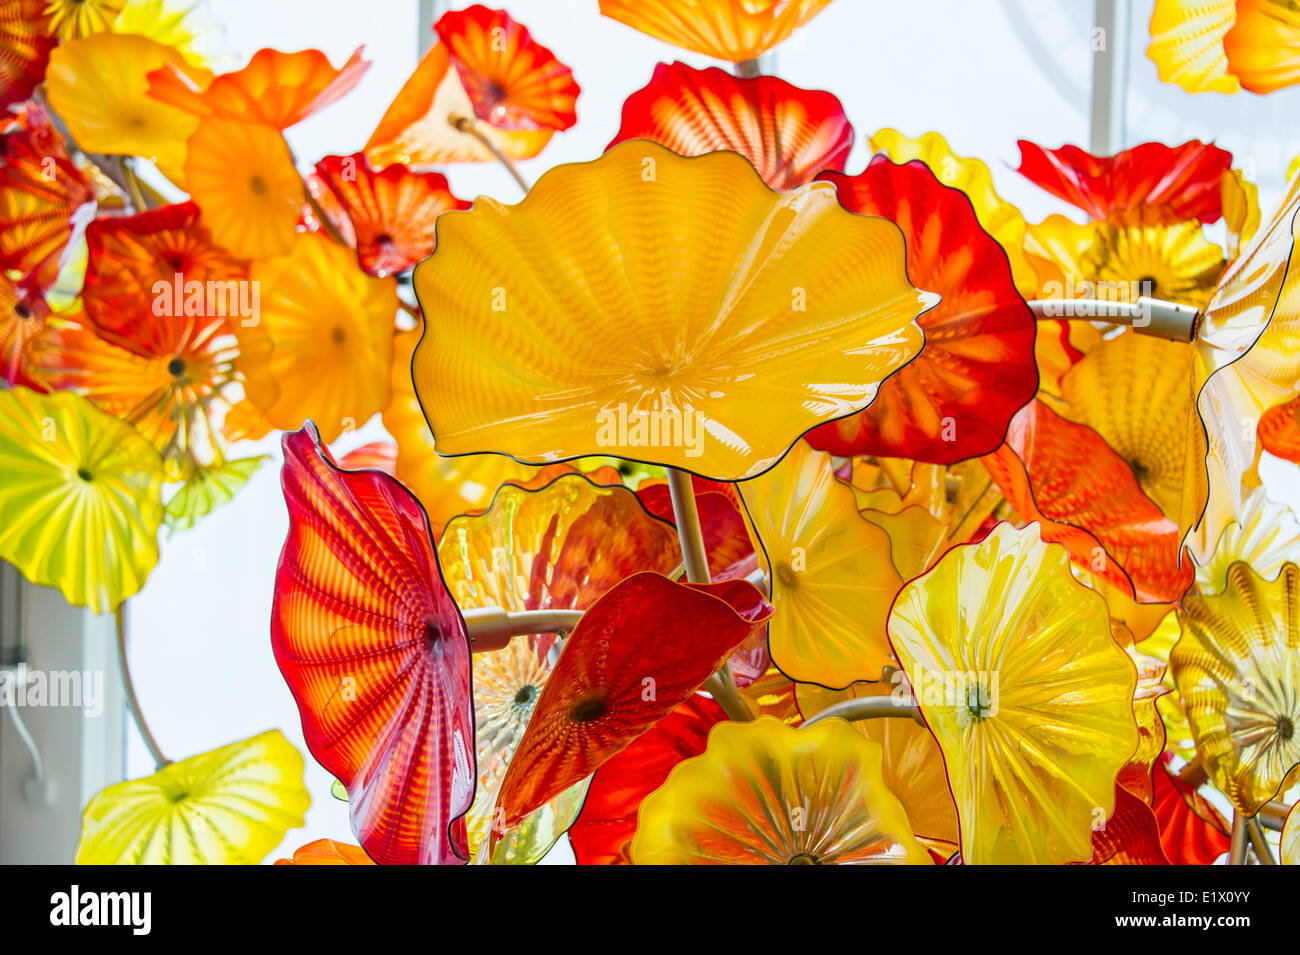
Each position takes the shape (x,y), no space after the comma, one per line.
(561,546)
(955,399)
(1263,45)
(1237,666)
(1065,475)
(670,326)
(789,134)
(323,343)
(23,317)
(1013,666)
(275,89)
(513,82)
(25,45)
(831,579)
(1279,430)
(766,793)
(732,30)
(1191,830)
(376,654)
(327,852)
(1178,182)
(615,678)
(1187,44)
(603,832)
(391,213)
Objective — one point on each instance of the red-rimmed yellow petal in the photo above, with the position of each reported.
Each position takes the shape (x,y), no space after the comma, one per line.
(789,134)
(769,794)
(1237,666)
(830,574)
(323,343)
(644,318)
(1013,666)
(1187,44)
(82,498)
(376,654)
(732,30)
(596,701)
(513,82)
(1263,45)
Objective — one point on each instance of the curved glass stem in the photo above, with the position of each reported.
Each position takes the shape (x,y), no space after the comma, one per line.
(470,127)
(867,708)
(132,701)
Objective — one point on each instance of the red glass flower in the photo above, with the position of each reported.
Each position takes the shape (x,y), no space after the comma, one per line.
(23,315)
(377,655)
(1183,182)
(25,45)
(788,133)
(955,399)
(1131,836)
(392,212)
(1191,830)
(642,649)
(608,821)
(513,82)
(1064,475)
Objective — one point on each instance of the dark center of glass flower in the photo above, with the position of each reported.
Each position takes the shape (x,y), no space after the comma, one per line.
(22,311)
(526,695)
(786,574)
(384,239)
(432,633)
(338,334)
(176,367)
(1285,728)
(588,710)
(85,475)
(258,185)
(804,858)
(1147,285)
(1138,468)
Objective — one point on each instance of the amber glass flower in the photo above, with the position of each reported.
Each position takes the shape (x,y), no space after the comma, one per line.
(769,794)
(671,326)
(1013,666)
(726,29)
(1237,667)
(1263,45)
(1187,44)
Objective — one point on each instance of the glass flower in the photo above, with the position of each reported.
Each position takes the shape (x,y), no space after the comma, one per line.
(1241,213)
(1237,667)
(560,546)
(1178,182)
(912,768)
(1265,535)
(376,654)
(392,212)
(767,793)
(1130,836)
(1279,430)
(275,89)
(23,318)
(672,327)
(616,678)
(1138,392)
(25,45)
(1016,674)
(324,342)
(789,134)
(42,197)
(207,489)
(82,498)
(242,175)
(1263,45)
(98,85)
(603,832)
(955,399)
(375,456)
(68,19)
(513,82)
(1140,255)
(230,806)
(1290,847)
(327,852)
(732,30)
(773,694)
(1187,44)
(1064,475)
(829,570)
(1191,830)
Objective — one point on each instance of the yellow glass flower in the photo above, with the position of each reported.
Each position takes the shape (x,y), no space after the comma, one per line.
(1012,663)
(727,29)
(1169,261)
(98,86)
(231,806)
(69,19)
(913,766)
(1265,535)
(242,176)
(1290,848)
(323,343)
(1187,44)
(996,216)
(187,26)
(1237,667)
(658,308)
(769,794)
(831,577)
(1138,392)
(1240,209)
(1159,644)
(81,498)
(207,489)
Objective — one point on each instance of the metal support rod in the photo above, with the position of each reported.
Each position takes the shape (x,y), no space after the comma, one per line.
(491,628)
(1260,844)
(1149,316)
(867,708)
(1273,815)
(1237,848)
